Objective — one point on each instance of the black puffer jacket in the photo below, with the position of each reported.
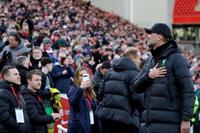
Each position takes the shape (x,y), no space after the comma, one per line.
(38,118)
(170,99)
(22,72)
(8,103)
(97,80)
(119,102)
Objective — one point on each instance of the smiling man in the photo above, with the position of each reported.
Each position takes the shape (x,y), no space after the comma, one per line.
(13,116)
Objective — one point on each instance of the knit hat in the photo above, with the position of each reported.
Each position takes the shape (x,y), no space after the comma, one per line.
(47,41)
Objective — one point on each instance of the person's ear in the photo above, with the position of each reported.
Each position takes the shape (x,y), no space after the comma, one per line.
(160,37)
(28,80)
(6,77)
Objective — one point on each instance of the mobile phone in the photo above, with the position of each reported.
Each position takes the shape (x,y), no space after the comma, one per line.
(86,77)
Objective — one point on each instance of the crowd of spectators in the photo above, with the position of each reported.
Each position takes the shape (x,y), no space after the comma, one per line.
(72,33)
(85,33)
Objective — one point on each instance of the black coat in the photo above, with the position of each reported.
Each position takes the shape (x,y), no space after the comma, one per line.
(35,64)
(170,99)
(38,118)
(22,72)
(45,92)
(97,80)
(8,103)
(119,102)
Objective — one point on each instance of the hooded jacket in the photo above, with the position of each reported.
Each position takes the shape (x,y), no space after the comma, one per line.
(15,52)
(119,102)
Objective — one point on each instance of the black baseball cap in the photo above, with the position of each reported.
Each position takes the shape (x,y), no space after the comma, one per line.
(160,28)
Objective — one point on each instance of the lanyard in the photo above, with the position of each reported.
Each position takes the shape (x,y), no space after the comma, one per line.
(89,103)
(39,98)
(16,96)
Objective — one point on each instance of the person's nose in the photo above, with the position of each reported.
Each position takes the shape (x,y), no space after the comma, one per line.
(149,36)
(18,76)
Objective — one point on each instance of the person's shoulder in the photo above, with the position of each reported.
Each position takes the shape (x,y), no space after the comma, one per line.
(28,94)
(6,48)
(5,94)
(177,57)
(73,87)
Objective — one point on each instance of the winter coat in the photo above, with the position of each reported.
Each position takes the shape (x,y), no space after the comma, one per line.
(79,119)
(38,118)
(45,92)
(15,52)
(35,64)
(170,99)
(62,81)
(98,81)
(120,103)
(8,104)
(22,72)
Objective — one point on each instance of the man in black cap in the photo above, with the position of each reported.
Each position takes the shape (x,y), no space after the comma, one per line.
(166,80)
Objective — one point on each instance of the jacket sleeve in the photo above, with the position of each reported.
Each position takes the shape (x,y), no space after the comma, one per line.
(70,71)
(5,116)
(33,113)
(75,95)
(184,81)
(137,98)
(56,74)
(142,80)
(45,93)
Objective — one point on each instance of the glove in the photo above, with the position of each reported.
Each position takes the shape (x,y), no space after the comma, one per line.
(9,55)
(3,60)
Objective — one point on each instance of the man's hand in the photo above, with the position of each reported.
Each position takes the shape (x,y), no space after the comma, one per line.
(56,116)
(157,72)
(185,127)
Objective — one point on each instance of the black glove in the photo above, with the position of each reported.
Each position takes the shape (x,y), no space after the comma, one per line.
(4,57)
(3,60)
(9,55)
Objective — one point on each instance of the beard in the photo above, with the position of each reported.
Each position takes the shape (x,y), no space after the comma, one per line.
(151,45)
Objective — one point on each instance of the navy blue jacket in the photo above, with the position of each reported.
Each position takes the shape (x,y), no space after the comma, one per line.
(79,120)
(62,81)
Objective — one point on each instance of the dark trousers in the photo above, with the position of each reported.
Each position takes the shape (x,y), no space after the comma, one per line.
(117,127)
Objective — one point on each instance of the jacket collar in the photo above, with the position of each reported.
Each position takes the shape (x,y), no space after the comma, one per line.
(164,50)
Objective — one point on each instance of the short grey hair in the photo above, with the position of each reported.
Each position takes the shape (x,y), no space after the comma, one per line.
(20,60)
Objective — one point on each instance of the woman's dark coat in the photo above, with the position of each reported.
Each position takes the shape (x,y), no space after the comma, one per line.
(79,119)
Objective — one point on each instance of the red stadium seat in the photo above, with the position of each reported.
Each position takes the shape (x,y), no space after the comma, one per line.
(186,12)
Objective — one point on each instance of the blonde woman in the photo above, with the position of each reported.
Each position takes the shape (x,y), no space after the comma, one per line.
(82,104)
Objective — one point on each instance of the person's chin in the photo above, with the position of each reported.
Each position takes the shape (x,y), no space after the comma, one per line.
(18,83)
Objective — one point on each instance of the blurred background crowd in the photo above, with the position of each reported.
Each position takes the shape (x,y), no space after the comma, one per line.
(76,30)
